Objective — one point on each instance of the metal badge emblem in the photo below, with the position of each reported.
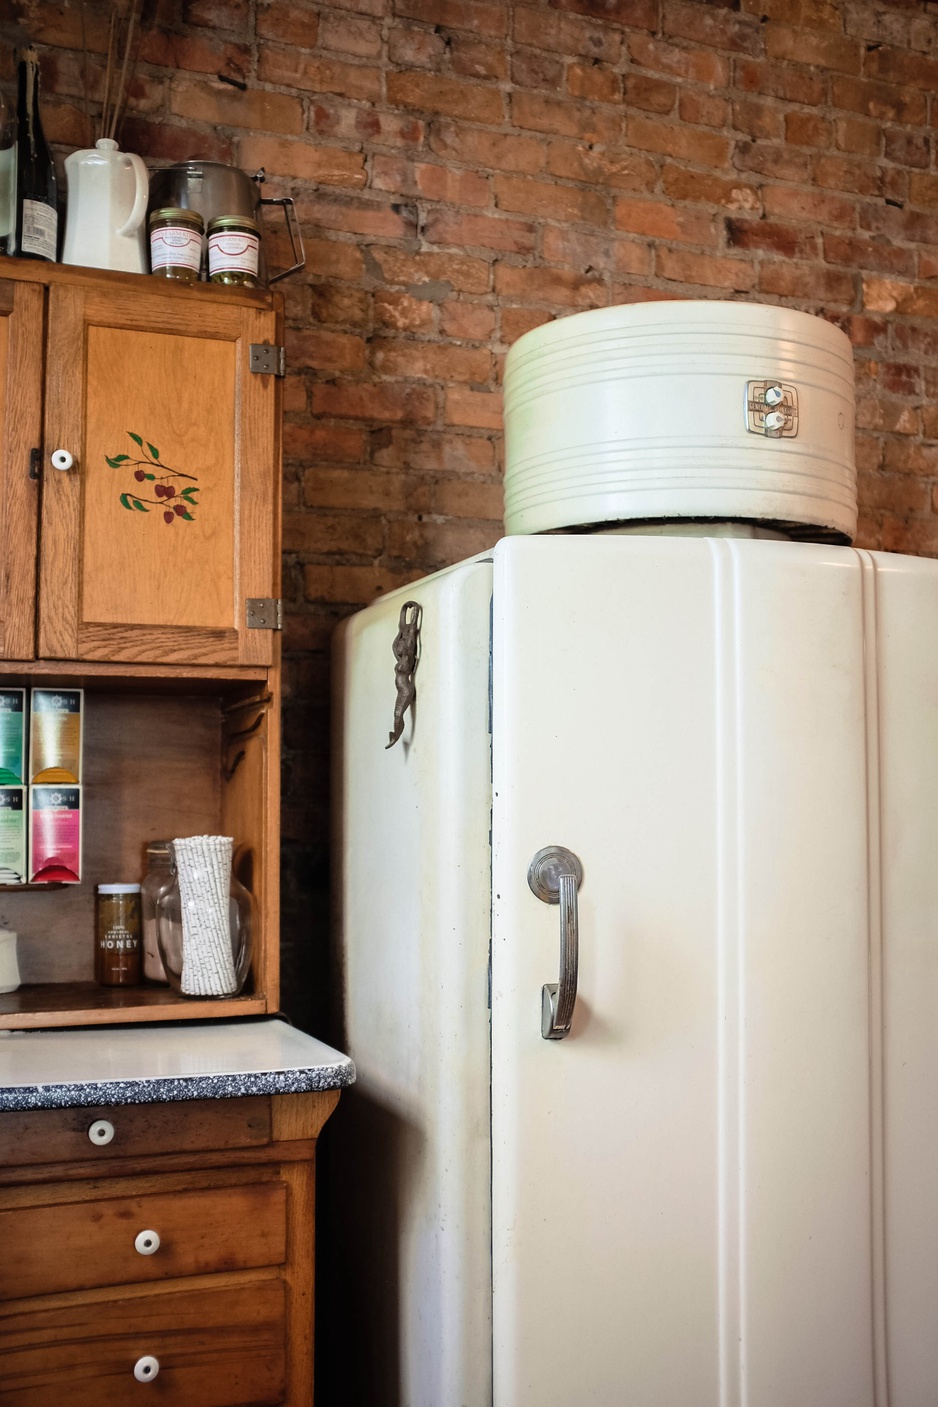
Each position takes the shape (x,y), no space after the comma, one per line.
(771,409)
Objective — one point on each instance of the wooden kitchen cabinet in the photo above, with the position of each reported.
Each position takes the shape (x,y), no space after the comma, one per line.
(182,1249)
(142,597)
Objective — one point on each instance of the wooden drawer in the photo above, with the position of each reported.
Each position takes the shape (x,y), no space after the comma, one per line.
(80,1245)
(36,1136)
(215,1348)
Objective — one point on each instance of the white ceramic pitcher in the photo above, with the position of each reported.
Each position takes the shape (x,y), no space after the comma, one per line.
(105,222)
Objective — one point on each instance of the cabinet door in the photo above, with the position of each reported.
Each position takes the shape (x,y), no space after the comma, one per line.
(164,526)
(21,310)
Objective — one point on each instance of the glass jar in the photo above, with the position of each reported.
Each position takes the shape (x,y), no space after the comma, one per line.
(159,874)
(234,243)
(199,963)
(117,935)
(176,243)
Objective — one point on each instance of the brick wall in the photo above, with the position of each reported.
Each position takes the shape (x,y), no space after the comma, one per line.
(466,170)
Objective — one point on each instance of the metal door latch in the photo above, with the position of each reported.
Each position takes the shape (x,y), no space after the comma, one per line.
(267,360)
(263,613)
(406,649)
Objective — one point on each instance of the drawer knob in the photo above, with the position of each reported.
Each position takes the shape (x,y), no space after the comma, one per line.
(101,1131)
(147,1243)
(61,459)
(146,1368)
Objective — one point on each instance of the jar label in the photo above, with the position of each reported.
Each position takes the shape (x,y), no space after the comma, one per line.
(233,253)
(177,246)
(40,229)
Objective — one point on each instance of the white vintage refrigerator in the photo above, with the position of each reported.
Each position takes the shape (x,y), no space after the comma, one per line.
(720,1189)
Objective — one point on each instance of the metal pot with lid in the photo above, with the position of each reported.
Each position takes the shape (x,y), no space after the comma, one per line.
(214,189)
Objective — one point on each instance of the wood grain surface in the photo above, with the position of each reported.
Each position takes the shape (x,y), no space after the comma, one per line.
(21,368)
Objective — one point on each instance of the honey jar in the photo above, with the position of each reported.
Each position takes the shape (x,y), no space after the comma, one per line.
(117,949)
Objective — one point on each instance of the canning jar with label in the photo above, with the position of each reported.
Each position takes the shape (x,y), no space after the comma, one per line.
(176,243)
(117,948)
(234,243)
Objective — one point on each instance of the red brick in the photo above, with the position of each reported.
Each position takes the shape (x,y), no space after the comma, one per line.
(682,266)
(558,287)
(492,150)
(879,100)
(687,143)
(358,400)
(416,48)
(638,14)
(468,498)
(898,66)
(478,231)
(900,495)
(807,129)
(291,68)
(703,109)
(868,254)
(578,249)
(882,295)
(565,119)
(467,322)
(530,68)
(457,187)
(334,352)
(886,220)
(329,165)
(194,53)
(658,220)
(807,281)
(907,148)
(323,533)
(290,23)
(633,258)
(360,37)
(700,66)
(846,173)
(480,409)
(812,14)
(712,28)
(778,80)
(445,95)
(563,34)
(729,194)
(927,264)
(354,585)
(814,206)
(598,166)
(856,134)
(444,272)
(332,444)
(780,163)
(365,217)
(593,84)
(901,457)
(339,304)
(479,18)
(809,46)
(649,94)
(361,490)
(471,58)
(402,311)
(923,191)
(786,240)
(214,103)
(432,361)
(66,124)
(434,543)
(164,141)
(549,200)
(428,452)
(758,117)
(515,322)
(330,258)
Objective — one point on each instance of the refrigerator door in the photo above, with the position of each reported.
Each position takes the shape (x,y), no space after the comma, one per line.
(688,1190)
(409,1149)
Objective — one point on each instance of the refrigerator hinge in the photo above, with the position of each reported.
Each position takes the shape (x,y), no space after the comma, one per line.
(268,360)
(263,613)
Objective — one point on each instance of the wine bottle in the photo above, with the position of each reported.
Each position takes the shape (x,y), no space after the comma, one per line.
(7,175)
(37,212)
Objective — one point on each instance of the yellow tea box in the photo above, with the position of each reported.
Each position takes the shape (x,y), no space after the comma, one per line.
(54,835)
(12,737)
(55,735)
(12,835)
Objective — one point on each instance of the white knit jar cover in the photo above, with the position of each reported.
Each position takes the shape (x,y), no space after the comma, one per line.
(203,869)
(639,412)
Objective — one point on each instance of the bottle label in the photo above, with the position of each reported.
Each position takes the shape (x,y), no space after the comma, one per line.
(178,248)
(40,229)
(235,253)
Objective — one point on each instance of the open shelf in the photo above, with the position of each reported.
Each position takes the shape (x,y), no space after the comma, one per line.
(45,1004)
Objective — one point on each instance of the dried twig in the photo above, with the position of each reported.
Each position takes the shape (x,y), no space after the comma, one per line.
(107,74)
(122,87)
(84,75)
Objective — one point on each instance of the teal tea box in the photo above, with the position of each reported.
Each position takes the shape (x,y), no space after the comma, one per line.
(12,736)
(12,835)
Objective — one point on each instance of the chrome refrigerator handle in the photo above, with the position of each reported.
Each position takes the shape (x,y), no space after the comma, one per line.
(555,875)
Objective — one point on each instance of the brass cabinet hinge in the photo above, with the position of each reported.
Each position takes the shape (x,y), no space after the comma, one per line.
(268,360)
(264,613)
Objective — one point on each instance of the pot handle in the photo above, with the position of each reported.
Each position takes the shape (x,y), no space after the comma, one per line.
(294,231)
(135,218)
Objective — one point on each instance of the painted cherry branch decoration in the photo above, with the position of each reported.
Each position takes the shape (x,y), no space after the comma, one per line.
(175,502)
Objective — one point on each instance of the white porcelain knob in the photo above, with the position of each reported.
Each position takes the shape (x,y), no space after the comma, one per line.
(61,459)
(146,1368)
(774,420)
(101,1131)
(147,1242)
(773,394)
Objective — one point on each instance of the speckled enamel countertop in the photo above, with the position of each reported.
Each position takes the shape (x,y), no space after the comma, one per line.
(149,1064)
